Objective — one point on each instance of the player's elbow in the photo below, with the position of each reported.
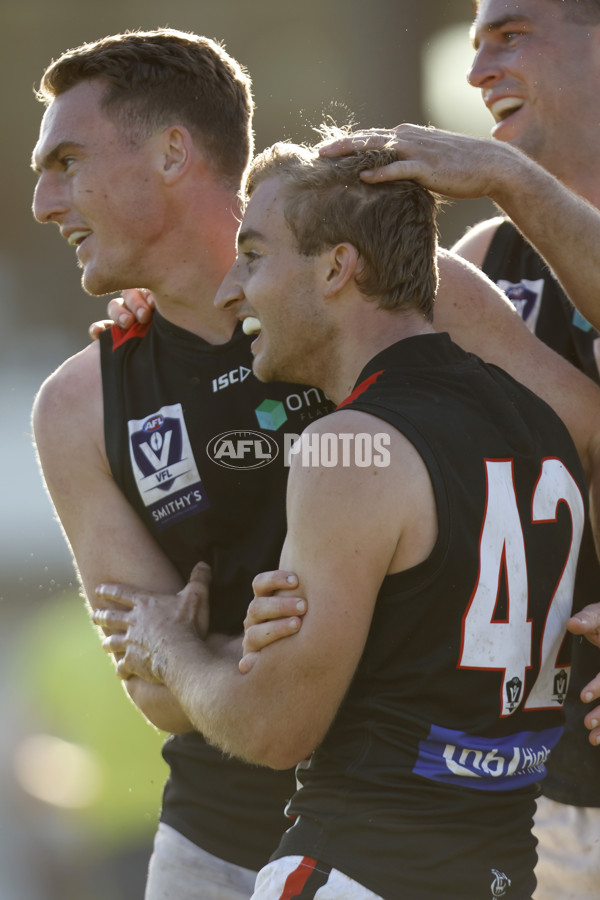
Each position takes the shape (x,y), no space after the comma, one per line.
(278,748)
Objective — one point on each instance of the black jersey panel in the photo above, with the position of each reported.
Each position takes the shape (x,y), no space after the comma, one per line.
(198,446)
(574,767)
(425,783)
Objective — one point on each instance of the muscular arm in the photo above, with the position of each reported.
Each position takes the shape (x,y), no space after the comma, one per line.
(107,539)
(347,527)
(475,242)
(562,226)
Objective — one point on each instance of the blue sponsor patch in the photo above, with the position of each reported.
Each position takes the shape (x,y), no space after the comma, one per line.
(487,764)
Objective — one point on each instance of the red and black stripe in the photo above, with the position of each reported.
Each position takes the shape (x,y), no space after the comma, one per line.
(306,879)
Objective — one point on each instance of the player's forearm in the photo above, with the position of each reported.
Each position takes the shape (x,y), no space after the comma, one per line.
(158,705)
(249,716)
(226,646)
(563,227)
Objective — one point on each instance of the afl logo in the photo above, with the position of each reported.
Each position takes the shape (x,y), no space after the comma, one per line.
(242,450)
(153,423)
(501,884)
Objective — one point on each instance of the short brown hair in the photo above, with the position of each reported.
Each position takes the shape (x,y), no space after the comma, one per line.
(581,12)
(159,78)
(391,224)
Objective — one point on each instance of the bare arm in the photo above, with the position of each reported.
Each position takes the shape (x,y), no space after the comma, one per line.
(107,539)
(280,711)
(475,242)
(562,226)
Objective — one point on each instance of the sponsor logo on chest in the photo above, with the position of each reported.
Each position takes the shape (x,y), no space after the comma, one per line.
(164,467)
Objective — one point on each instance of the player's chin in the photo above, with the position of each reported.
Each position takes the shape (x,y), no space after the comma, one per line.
(265,369)
(98,283)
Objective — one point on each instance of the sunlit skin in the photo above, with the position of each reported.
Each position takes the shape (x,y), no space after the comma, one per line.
(90,180)
(148,213)
(270,280)
(528,65)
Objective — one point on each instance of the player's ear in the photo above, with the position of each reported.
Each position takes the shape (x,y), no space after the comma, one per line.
(341,264)
(176,149)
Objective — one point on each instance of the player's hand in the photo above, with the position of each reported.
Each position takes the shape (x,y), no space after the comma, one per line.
(590,693)
(144,629)
(454,165)
(587,623)
(271,616)
(134,305)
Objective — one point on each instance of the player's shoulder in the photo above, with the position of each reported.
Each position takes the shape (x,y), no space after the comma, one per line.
(72,392)
(349,447)
(475,243)
(344,419)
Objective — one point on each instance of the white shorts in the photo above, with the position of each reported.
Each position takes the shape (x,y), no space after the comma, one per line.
(568,851)
(302,878)
(180,870)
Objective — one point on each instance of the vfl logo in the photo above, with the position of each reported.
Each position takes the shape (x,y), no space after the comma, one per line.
(242,450)
(561,681)
(514,688)
(526,297)
(164,467)
(156,448)
(500,884)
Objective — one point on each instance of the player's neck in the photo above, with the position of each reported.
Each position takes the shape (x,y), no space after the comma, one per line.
(194,311)
(194,259)
(364,340)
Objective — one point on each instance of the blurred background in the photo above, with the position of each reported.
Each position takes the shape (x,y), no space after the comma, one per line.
(80,771)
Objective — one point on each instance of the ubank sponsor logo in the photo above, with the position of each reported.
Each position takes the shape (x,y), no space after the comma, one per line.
(242,449)
(487,764)
(164,467)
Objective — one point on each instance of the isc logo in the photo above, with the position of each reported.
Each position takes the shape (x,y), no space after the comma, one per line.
(235,376)
(242,450)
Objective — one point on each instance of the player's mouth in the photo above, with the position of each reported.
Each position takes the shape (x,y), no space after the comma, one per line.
(251,325)
(76,238)
(504,107)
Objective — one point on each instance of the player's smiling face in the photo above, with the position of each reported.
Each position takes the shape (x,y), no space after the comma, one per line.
(98,187)
(271,283)
(536,72)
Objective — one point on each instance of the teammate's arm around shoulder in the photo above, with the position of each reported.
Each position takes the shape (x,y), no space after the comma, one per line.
(107,540)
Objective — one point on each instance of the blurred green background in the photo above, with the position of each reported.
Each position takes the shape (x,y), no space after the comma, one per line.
(80,771)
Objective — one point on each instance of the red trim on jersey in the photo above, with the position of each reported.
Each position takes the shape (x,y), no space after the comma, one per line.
(360,389)
(296,880)
(120,337)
